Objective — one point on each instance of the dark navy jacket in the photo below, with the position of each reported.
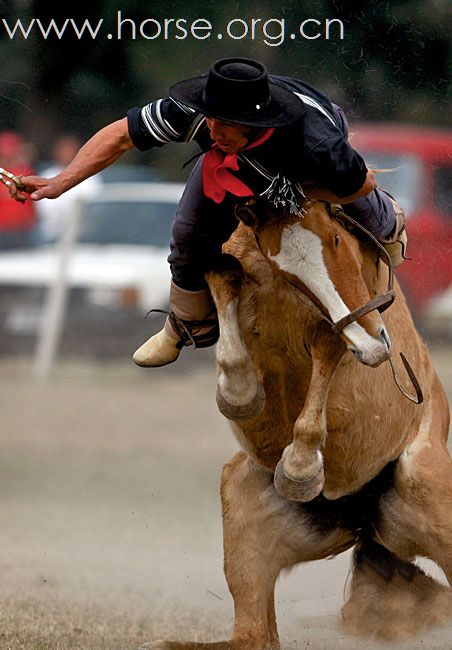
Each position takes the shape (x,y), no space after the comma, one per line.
(315,149)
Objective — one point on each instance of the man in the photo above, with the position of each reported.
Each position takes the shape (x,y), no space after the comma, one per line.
(262,135)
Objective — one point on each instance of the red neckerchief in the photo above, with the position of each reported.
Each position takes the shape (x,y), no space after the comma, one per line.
(216,177)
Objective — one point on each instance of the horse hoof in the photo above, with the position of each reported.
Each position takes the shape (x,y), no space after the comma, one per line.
(303,490)
(245,411)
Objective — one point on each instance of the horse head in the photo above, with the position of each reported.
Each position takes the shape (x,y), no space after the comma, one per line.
(328,264)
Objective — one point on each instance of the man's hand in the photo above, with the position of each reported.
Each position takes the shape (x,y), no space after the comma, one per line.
(42,188)
(100,151)
(38,188)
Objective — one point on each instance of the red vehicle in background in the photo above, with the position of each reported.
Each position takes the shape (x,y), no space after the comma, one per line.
(17,220)
(420,160)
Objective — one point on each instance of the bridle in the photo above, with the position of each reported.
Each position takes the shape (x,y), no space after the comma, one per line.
(246,213)
(381,302)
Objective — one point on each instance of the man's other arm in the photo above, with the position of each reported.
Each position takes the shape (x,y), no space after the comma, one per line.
(322,194)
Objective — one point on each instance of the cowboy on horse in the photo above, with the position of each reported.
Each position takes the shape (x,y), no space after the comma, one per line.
(261,135)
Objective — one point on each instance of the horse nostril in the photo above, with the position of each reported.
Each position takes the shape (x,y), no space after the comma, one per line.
(384,337)
(358,353)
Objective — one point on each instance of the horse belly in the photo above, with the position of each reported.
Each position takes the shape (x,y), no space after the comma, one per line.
(369,424)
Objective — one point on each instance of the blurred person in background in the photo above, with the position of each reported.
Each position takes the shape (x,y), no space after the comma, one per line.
(262,136)
(53,214)
(17,221)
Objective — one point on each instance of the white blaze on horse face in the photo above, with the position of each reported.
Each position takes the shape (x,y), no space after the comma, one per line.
(301,255)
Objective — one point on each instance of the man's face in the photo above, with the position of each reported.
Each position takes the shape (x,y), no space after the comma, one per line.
(228,136)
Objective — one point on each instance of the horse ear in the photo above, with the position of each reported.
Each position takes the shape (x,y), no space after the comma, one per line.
(248,213)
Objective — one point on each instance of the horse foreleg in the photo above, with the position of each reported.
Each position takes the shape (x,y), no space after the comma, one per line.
(254,533)
(240,394)
(251,562)
(299,474)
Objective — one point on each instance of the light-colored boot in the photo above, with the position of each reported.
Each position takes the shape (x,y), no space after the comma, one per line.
(192,320)
(396,243)
(159,350)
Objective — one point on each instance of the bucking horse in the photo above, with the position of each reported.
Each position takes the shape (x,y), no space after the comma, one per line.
(342,422)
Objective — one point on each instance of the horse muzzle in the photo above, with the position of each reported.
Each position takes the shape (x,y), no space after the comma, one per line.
(369,350)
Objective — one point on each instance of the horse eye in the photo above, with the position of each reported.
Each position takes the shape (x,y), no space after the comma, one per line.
(336,240)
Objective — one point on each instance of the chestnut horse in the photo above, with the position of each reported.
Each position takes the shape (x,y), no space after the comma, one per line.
(333,455)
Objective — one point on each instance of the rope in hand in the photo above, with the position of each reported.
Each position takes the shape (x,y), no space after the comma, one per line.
(13,183)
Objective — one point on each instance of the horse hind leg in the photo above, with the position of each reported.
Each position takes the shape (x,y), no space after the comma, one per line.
(240,394)
(416,515)
(414,519)
(391,599)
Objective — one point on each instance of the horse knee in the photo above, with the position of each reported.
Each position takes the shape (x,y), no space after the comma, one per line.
(242,485)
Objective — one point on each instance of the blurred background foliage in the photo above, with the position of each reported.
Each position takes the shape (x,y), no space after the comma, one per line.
(393,63)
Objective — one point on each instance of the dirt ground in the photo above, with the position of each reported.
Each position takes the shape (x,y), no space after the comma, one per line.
(110,516)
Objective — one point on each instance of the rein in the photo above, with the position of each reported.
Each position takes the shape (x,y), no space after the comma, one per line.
(380,303)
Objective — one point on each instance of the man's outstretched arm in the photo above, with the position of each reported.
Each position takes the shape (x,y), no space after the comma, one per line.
(100,151)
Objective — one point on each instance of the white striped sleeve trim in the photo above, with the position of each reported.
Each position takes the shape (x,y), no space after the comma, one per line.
(164,132)
(183,107)
(152,126)
(195,126)
(164,123)
(314,104)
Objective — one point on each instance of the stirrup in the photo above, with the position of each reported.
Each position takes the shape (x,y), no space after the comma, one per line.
(184,330)
(187,335)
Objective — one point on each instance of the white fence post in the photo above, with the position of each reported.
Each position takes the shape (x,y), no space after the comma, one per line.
(54,309)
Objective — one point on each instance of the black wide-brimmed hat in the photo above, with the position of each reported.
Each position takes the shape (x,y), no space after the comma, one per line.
(238,90)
